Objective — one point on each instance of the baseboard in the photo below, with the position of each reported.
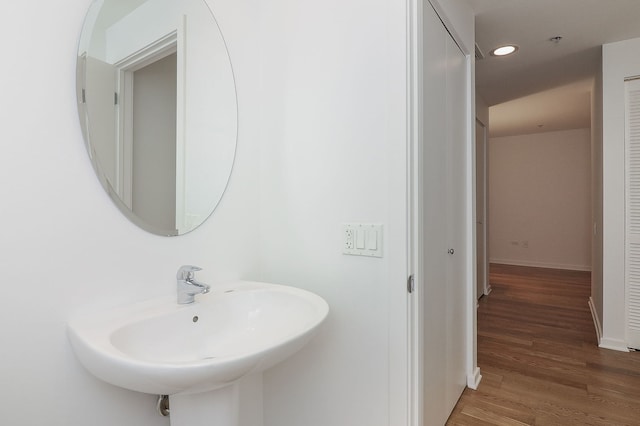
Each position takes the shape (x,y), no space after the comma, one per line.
(542,264)
(613,344)
(596,321)
(473,380)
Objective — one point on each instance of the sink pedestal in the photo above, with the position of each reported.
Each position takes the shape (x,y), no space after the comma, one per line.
(213,408)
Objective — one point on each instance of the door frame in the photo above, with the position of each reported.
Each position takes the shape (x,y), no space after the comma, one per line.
(483,228)
(171,42)
(415,131)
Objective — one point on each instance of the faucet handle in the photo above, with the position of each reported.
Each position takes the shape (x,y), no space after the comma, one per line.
(186,272)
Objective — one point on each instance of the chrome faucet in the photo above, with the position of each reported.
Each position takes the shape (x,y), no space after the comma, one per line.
(188,287)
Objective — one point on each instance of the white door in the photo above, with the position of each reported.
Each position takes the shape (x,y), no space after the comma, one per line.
(632,207)
(101,112)
(456,220)
(432,280)
(440,274)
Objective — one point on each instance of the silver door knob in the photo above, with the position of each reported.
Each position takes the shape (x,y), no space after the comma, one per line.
(450,251)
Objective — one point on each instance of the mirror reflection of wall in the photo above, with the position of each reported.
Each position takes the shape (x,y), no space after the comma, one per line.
(153,180)
(158,108)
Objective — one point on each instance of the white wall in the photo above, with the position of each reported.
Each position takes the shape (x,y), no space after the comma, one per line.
(596,200)
(153,158)
(65,246)
(541,194)
(619,60)
(333,151)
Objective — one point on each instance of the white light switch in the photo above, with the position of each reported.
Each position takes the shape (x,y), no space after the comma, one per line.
(372,239)
(362,239)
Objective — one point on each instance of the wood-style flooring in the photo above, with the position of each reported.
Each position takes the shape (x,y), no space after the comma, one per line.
(539,359)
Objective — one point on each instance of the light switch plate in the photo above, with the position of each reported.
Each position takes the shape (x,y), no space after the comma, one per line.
(362,239)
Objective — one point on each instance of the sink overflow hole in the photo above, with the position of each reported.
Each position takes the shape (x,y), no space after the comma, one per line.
(195,318)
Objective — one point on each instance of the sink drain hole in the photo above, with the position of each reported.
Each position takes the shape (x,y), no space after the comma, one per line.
(195,318)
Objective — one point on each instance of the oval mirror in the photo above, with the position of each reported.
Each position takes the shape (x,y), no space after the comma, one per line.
(158,109)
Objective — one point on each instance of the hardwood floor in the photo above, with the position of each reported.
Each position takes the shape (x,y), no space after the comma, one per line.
(538,355)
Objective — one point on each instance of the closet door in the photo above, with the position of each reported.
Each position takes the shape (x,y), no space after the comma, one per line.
(632,207)
(433,212)
(442,220)
(456,129)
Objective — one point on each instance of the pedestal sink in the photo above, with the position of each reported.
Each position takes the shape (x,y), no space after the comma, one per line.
(196,353)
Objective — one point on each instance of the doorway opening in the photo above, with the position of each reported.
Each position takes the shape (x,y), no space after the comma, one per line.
(149,123)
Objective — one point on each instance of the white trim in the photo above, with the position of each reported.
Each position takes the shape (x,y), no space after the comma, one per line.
(613,344)
(473,379)
(125,137)
(535,264)
(414,128)
(483,226)
(182,222)
(596,321)
(472,297)
(158,49)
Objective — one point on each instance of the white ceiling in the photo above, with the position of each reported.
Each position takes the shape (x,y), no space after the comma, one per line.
(545,86)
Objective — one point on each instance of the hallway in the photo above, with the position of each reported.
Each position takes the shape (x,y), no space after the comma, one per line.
(539,359)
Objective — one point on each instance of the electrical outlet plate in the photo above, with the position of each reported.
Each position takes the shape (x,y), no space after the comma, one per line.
(362,239)
(349,238)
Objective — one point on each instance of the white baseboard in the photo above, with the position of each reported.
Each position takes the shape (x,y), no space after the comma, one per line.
(596,321)
(541,264)
(613,344)
(473,380)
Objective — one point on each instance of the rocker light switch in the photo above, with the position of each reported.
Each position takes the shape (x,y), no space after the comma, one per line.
(360,233)
(372,239)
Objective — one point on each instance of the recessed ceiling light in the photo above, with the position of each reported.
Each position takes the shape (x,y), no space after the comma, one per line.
(504,50)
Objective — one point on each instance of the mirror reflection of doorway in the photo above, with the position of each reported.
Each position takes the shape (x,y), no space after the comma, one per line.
(154,142)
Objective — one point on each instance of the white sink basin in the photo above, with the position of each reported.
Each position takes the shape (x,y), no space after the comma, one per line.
(163,348)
